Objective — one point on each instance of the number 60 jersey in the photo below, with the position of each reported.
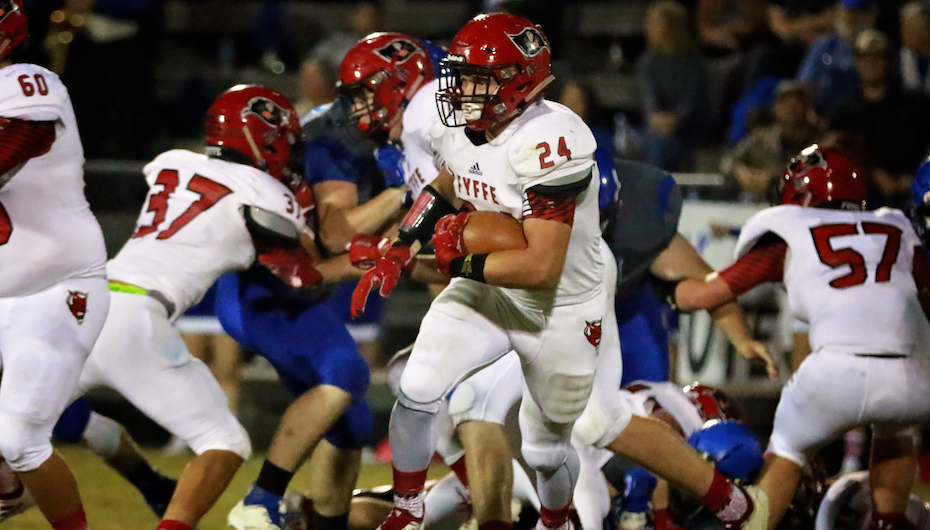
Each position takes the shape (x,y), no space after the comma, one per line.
(849,275)
(191,229)
(47,231)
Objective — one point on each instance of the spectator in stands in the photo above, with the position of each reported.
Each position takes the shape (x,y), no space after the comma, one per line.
(318,77)
(579,96)
(892,121)
(759,159)
(828,66)
(801,21)
(673,80)
(732,24)
(915,46)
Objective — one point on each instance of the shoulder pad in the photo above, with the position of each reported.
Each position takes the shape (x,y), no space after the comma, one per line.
(550,146)
(760,224)
(269,228)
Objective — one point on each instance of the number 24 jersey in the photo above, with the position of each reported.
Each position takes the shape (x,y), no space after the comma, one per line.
(191,229)
(849,275)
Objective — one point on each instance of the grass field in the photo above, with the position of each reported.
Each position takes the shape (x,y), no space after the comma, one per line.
(112,504)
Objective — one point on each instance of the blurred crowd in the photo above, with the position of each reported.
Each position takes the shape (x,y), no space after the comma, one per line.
(742,83)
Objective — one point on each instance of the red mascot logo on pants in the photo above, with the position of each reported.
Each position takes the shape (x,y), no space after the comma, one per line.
(592,332)
(77,303)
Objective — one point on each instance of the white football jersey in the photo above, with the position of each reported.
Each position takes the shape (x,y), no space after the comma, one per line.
(849,276)
(47,231)
(422,126)
(647,397)
(545,143)
(191,229)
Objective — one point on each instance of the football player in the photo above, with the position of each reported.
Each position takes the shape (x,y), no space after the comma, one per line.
(853,276)
(53,292)
(650,246)
(205,215)
(537,158)
(309,347)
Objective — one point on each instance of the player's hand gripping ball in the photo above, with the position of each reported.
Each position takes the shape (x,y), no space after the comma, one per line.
(475,233)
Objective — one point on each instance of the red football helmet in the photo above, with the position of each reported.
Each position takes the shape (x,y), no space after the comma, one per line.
(712,403)
(12,25)
(821,175)
(379,75)
(497,49)
(254,122)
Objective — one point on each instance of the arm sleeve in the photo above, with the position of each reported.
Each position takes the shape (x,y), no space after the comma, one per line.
(21,140)
(764,263)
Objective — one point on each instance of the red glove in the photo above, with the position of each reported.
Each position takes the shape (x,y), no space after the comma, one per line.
(294,266)
(386,272)
(305,199)
(365,250)
(448,240)
(663,521)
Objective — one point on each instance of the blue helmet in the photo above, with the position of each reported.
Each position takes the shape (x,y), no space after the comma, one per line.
(732,447)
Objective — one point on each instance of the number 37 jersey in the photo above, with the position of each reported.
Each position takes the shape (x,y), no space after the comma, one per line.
(849,275)
(191,229)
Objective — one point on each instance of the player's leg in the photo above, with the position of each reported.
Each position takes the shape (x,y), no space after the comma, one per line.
(826,397)
(316,359)
(478,407)
(559,368)
(592,497)
(609,423)
(643,336)
(142,356)
(458,335)
(44,343)
(892,468)
(334,473)
(110,441)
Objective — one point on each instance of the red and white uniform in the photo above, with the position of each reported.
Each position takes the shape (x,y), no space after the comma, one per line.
(556,331)
(49,233)
(53,293)
(849,275)
(422,127)
(191,230)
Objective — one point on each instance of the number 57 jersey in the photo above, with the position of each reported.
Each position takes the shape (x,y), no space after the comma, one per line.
(191,229)
(849,275)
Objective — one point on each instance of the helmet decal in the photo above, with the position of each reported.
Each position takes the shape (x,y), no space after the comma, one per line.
(530,42)
(398,51)
(268,111)
(7,8)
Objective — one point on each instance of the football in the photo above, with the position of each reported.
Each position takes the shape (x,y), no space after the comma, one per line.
(487,232)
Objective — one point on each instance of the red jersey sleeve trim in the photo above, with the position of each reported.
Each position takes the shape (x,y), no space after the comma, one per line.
(21,140)
(763,264)
(538,206)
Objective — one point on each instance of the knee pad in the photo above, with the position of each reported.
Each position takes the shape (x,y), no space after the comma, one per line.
(353,429)
(230,437)
(421,388)
(25,444)
(73,422)
(546,457)
(102,435)
(604,418)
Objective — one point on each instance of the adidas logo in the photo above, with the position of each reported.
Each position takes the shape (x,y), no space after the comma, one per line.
(475,170)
